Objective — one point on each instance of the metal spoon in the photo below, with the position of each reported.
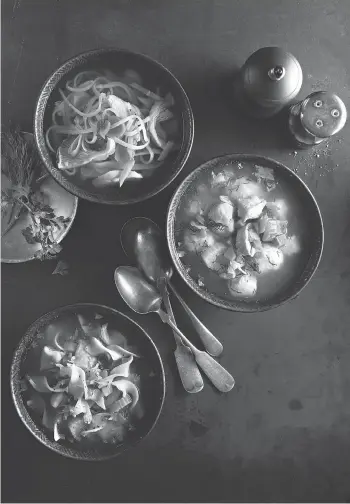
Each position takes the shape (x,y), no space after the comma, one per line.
(144,242)
(142,297)
(188,370)
(190,376)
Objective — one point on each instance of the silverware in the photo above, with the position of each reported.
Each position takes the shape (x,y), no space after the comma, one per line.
(142,297)
(190,376)
(144,242)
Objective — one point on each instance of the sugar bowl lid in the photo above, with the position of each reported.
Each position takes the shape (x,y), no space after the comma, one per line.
(272,75)
(323,114)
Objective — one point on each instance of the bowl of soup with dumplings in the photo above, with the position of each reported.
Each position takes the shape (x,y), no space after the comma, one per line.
(245,232)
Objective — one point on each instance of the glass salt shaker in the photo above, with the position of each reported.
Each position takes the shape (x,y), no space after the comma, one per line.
(319,116)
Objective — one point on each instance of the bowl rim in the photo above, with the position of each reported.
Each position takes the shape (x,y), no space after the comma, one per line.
(40,107)
(22,410)
(171,212)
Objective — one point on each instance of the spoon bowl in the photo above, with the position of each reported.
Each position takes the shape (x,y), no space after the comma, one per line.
(137,293)
(143,242)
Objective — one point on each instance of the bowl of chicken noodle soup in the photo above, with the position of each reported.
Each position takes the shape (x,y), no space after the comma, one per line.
(113,126)
(87,381)
(245,232)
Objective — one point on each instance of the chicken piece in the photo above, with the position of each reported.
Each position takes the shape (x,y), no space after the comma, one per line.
(264,173)
(221,217)
(76,427)
(230,264)
(230,253)
(266,176)
(66,160)
(277,209)
(254,237)
(243,245)
(260,224)
(193,208)
(291,246)
(196,241)
(242,188)
(273,229)
(245,285)
(280,241)
(267,259)
(234,269)
(213,257)
(82,358)
(112,432)
(250,207)
(273,255)
(222,178)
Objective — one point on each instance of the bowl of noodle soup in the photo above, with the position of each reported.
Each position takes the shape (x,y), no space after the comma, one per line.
(113,126)
(87,381)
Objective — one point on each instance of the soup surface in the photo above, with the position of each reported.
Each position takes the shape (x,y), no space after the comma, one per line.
(84,382)
(240,232)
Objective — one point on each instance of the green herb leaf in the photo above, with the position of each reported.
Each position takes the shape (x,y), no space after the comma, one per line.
(23,169)
(28,235)
(62,268)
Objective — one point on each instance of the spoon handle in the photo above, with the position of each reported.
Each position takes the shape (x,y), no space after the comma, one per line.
(217,374)
(190,376)
(212,344)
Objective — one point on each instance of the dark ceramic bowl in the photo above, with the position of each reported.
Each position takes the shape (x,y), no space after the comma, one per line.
(306,207)
(152,385)
(153,74)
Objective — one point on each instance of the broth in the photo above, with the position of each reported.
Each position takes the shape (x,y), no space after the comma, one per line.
(205,194)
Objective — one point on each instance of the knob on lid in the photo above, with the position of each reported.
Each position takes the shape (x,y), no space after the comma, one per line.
(272,75)
(323,114)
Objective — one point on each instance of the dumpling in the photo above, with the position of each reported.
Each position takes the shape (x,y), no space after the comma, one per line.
(214,258)
(274,228)
(196,241)
(250,207)
(244,188)
(222,178)
(277,209)
(245,285)
(193,208)
(266,176)
(271,258)
(291,246)
(221,217)
(235,268)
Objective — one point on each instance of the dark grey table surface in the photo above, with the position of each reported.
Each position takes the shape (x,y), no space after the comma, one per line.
(283,433)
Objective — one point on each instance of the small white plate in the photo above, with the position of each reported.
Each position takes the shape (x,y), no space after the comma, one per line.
(14,247)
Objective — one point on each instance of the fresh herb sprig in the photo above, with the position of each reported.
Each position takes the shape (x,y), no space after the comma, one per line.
(23,168)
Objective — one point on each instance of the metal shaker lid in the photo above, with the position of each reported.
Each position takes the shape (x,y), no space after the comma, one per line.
(323,114)
(272,75)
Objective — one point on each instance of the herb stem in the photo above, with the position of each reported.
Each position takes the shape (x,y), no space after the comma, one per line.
(12,221)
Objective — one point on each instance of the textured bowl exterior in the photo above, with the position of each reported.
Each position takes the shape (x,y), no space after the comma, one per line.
(310,202)
(20,354)
(114,55)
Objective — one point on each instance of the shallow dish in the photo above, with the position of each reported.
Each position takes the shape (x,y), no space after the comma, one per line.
(14,247)
(304,209)
(153,74)
(152,384)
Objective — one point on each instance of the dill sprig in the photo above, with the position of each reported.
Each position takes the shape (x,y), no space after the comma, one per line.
(23,169)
